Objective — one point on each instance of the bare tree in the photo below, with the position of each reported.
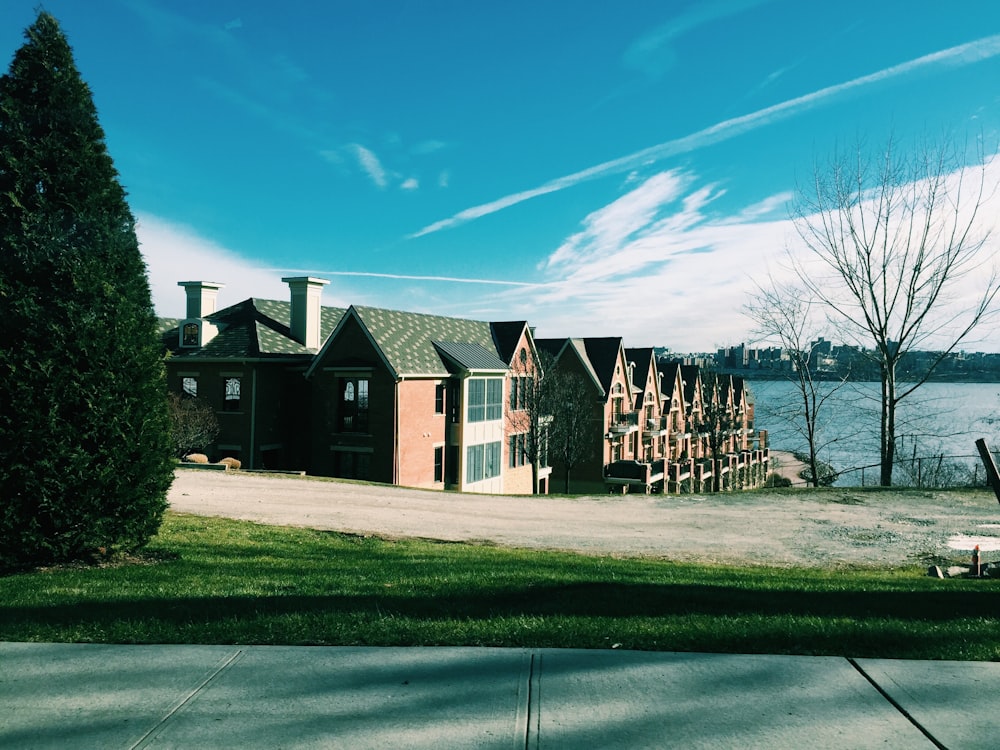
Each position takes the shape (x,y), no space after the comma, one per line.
(893,235)
(567,397)
(529,417)
(785,314)
(193,424)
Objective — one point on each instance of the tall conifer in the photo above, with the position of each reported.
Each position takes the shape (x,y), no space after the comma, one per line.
(84,451)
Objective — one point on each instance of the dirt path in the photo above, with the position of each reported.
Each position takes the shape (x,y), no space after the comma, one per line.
(785,464)
(806,527)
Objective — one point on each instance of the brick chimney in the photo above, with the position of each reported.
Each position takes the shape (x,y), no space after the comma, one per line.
(306,293)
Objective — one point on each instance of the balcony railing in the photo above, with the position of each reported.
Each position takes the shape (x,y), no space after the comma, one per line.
(624,423)
(657,426)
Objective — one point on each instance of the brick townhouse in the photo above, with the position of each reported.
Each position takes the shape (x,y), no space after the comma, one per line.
(363,393)
(438,402)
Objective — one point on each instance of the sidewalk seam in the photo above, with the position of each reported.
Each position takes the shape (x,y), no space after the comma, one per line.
(531,738)
(906,714)
(155,730)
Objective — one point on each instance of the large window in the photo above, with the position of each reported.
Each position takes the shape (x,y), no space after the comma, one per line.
(482,462)
(231,401)
(520,390)
(485,399)
(354,405)
(189,387)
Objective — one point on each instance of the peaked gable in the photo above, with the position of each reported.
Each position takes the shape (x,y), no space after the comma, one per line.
(604,354)
(559,348)
(408,342)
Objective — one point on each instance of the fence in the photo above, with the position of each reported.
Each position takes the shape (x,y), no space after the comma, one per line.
(922,472)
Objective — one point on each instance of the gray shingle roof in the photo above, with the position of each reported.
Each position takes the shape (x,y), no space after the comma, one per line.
(250,329)
(407,339)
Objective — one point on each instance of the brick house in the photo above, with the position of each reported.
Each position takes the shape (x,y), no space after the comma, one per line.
(247,361)
(419,400)
(365,393)
(615,433)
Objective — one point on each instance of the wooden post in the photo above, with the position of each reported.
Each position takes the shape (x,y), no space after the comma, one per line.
(991,468)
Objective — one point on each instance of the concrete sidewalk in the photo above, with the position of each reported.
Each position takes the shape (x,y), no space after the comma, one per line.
(97,696)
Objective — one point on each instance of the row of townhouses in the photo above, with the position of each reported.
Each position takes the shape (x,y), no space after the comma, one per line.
(432,402)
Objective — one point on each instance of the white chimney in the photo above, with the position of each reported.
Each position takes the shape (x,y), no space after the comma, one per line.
(201,297)
(306,292)
(195,330)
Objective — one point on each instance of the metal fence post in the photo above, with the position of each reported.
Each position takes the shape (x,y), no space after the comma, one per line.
(991,467)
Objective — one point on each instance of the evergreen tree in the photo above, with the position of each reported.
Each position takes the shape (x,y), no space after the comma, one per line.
(84,435)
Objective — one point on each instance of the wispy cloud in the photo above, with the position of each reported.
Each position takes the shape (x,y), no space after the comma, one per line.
(408,277)
(965,54)
(653,54)
(370,164)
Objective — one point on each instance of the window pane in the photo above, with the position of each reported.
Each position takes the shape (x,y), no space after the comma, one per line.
(477,400)
(231,402)
(474,463)
(362,424)
(494,398)
(438,464)
(492,460)
(189,387)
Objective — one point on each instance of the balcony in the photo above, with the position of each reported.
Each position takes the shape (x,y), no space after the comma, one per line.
(624,423)
(626,474)
(657,427)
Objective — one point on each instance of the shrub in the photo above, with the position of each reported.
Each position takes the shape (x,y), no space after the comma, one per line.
(84,432)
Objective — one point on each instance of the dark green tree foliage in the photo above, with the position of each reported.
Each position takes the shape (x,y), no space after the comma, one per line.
(84,436)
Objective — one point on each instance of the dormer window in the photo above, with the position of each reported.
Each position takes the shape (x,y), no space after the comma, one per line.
(189,335)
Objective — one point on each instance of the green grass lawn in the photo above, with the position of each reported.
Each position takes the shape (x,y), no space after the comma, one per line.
(205,580)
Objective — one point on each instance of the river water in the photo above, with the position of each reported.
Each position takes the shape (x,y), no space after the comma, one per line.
(937,427)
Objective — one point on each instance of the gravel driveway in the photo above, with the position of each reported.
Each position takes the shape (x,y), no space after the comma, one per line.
(801,528)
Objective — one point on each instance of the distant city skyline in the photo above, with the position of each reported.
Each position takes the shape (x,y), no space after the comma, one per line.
(597,171)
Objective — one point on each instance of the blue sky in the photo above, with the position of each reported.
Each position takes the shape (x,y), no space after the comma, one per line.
(597,169)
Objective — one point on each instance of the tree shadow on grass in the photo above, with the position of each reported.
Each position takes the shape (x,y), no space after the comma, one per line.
(743,620)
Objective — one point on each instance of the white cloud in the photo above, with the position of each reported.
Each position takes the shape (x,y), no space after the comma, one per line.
(176,253)
(410,183)
(657,268)
(964,54)
(370,164)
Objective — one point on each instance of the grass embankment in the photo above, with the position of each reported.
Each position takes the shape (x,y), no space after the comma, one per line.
(208,580)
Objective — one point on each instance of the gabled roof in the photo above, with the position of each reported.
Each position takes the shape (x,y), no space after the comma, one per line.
(603,355)
(253,328)
(691,374)
(506,335)
(558,347)
(642,357)
(668,383)
(410,343)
